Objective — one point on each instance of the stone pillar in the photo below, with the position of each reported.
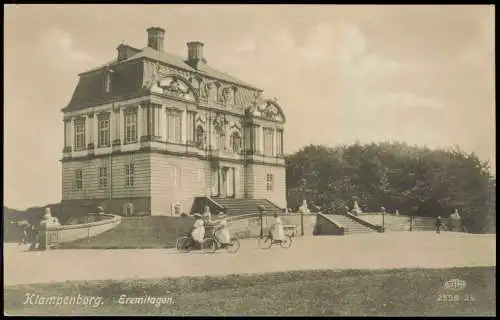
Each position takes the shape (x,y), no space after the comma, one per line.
(165,121)
(95,130)
(140,122)
(115,126)
(183,127)
(121,125)
(72,132)
(261,140)
(88,130)
(158,117)
(275,150)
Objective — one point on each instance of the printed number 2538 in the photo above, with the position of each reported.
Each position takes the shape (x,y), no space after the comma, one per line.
(448,298)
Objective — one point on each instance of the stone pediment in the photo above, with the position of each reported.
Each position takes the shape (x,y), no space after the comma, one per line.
(270,110)
(175,86)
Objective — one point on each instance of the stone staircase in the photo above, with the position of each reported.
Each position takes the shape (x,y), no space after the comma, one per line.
(350,225)
(237,207)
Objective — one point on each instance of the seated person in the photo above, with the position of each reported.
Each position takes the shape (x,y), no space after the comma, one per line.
(222,230)
(198,230)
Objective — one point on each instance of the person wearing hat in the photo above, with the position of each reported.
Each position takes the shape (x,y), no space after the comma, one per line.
(198,233)
(439,223)
(277,229)
(222,231)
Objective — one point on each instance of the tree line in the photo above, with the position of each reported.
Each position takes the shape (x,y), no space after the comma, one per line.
(413,180)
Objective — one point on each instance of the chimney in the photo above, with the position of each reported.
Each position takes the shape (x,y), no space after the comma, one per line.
(195,53)
(125,51)
(155,38)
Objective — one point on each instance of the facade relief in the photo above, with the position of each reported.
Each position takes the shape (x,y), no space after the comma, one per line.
(176,87)
(269,110)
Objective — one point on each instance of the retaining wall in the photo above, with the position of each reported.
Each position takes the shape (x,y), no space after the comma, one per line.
(52,235)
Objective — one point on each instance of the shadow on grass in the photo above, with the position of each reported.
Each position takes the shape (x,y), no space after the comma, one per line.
(411,292)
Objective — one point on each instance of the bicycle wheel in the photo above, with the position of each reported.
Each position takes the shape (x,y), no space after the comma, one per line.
(209,245)
(178,243)
(185,244)
(286,243)
(234,246)
(265,242)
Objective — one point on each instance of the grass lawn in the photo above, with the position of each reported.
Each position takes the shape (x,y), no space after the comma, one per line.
(136,233)
(333,293)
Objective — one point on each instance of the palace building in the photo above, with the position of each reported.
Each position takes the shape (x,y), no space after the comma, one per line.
(153,133)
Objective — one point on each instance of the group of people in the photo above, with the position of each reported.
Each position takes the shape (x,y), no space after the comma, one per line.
(222,232)
(221,228)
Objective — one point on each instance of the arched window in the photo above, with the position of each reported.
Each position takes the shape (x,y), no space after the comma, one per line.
(235,141)
(200,137)
(128,209)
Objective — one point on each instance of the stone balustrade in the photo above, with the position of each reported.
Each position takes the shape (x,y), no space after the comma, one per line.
(51,235)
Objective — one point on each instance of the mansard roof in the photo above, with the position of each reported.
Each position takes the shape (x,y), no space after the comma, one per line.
(89,90)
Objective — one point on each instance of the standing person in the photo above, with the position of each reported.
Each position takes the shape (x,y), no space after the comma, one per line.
(207,215)
(34,237)
(198,233)
(277,229)
(222,231)
(439,223)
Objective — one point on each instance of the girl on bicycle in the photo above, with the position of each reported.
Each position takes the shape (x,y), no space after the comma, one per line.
(222,231)
(198,233)
(277,229)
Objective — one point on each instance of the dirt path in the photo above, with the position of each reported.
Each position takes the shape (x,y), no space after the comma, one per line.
(365,251)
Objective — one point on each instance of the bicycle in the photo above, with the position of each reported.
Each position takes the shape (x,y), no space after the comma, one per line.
(212,244)
(267,241)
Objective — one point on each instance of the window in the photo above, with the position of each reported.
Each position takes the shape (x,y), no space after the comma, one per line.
(79,179)
(67,133)
(222,141)
(80,134)
(174,126)
(279,142)
(107,81)
(268,141)
(269,180)
(103,177)
(235,142)
(190,121)
(129,175)
(131,127)
(103,137)
(200,137)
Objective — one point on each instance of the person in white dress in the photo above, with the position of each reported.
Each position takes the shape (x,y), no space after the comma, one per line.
(198,233)
(207,216)
(222,230)
(277,229)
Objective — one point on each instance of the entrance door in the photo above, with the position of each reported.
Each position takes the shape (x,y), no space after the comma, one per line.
(223,190)
(230,182)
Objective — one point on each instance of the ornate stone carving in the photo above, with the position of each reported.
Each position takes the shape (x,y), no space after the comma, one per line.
(104,115)
(200,119)
(219,123)
(270,111)
(227,95)
(130,110)
(176,87)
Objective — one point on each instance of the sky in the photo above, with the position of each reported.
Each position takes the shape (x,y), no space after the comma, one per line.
(424,75)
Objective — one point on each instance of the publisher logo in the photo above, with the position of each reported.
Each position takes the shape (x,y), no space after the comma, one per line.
(455,285)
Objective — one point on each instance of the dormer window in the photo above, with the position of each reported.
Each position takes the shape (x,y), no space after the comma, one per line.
(107,80)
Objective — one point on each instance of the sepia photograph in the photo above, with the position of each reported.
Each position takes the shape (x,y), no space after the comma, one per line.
(249,160)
